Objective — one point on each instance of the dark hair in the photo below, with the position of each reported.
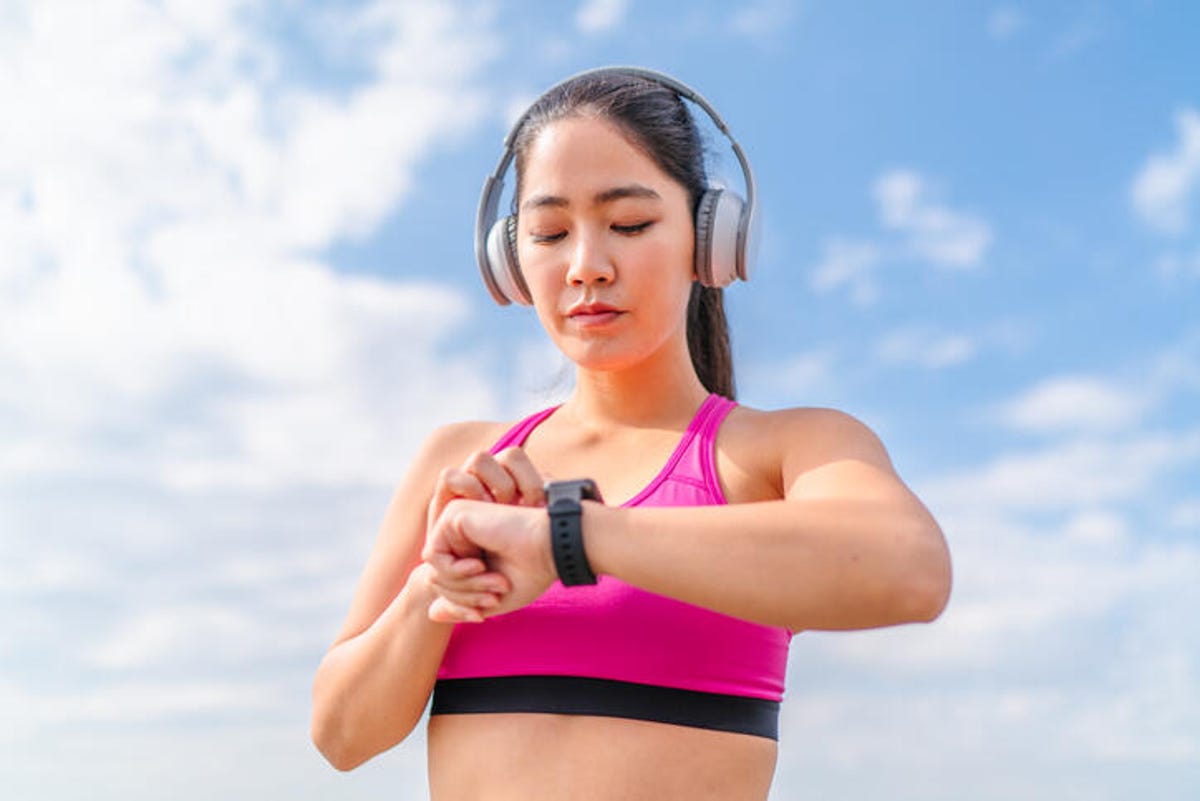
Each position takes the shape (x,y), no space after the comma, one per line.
(657,122)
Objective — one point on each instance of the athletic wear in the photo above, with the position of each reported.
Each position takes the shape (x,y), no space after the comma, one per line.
(615,650)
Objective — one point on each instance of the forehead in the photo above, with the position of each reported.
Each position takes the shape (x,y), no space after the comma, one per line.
(581,155)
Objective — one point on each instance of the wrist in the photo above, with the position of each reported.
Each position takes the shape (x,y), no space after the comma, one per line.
(601,527)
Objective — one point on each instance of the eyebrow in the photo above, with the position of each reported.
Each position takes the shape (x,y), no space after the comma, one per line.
(600,198)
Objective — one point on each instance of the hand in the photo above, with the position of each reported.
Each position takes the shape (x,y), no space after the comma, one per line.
(466,587)
(508,477)
(516,542)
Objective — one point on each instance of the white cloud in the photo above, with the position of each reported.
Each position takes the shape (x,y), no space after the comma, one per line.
(1164,187)
(163,203)
(1185,515)
(148,701)
(600,16)
(176,346)
(1067,475)
(851,264)
(763,20)
(921,347)
(801,379)
(945,237)
(1075,402)
(1004,23)
(191,636)
(925,231)
(1096,527)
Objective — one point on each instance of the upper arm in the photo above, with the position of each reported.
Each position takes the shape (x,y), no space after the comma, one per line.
(831,454)
(397,548)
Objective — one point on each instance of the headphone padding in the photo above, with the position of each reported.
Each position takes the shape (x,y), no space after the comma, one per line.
(502,261)
(704,219)
(718,218)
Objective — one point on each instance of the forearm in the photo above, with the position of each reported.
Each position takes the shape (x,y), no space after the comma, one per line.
(802,564)
(371,690)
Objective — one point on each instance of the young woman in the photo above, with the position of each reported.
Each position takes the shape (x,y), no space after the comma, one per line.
(723,529)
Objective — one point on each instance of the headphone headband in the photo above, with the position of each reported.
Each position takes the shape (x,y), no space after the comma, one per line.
(489,201)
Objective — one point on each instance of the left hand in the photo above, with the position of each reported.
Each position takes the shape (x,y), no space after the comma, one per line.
(516,542)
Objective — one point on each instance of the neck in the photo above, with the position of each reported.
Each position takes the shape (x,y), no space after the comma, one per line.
(660,392)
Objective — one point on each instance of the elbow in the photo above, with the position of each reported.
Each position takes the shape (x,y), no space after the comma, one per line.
(929,582)
(329,728)
(347,742)
(927,598)
(337,749)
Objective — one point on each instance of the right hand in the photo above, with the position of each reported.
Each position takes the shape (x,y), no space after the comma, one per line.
(464,585)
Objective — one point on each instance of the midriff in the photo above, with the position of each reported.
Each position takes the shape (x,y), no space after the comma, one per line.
(539,757)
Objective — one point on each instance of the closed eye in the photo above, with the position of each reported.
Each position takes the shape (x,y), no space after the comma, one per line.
(545,238)
(632,230)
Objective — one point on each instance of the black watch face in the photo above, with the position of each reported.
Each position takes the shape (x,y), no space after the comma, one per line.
(583,489)
(590,491)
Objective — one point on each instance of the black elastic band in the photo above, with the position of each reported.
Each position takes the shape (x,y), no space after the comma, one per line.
(576,695)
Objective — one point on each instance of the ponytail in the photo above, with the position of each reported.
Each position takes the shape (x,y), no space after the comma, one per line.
(708,340)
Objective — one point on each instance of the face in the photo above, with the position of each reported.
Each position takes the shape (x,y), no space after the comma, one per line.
(605,240)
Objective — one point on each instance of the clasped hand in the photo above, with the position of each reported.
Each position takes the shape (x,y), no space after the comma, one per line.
(487,541)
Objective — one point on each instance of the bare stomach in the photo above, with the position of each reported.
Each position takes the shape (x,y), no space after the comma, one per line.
(536,757)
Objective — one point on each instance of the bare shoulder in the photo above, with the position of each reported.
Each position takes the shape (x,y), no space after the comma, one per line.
(452,443)
(448,445)
(780,444)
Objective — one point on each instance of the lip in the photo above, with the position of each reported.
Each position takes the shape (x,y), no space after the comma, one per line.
(593,314)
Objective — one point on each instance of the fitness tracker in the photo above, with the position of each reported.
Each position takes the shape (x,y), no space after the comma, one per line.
(564,503)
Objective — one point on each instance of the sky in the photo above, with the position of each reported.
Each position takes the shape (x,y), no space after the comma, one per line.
(237,290)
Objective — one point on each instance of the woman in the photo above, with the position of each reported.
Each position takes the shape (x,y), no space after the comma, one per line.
(724,529)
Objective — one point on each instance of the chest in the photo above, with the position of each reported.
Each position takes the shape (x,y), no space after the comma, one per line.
(625,465)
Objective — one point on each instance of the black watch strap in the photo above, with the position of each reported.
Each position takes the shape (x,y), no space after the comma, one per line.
(564,503)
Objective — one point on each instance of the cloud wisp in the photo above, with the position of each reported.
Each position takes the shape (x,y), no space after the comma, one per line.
(600,16)
(1164,188)
(917,227)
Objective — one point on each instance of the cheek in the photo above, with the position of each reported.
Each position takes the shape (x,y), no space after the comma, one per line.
(546,290)
(668,264)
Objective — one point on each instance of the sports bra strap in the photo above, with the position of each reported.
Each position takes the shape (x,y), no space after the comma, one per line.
(517,434)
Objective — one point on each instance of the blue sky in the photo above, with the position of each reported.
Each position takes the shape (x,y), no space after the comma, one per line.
(237,290)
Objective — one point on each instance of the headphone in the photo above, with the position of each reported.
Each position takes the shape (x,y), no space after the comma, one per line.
(726,225)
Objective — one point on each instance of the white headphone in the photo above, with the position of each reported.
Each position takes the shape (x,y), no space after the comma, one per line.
(726,225)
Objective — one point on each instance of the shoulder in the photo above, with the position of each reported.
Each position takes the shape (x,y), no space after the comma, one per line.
(785,443)
(451,444)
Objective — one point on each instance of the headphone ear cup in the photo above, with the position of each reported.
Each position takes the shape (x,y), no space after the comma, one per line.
(718,218)
(502,261)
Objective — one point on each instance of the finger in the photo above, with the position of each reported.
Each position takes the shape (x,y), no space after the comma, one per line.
(444,611)
(446,538)
(478,601)
(494,477)
(463,568)
(454,482)
(493,583)
(528,480)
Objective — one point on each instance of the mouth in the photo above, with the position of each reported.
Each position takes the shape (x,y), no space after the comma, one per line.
(593,314)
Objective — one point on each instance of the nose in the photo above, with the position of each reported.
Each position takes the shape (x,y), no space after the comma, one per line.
(591,263)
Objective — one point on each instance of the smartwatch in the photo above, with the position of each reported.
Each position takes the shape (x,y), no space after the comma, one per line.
(564,503)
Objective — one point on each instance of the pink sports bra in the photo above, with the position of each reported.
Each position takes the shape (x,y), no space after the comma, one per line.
(615,650)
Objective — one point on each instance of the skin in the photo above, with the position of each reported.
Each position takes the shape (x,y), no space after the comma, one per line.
(819,533)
